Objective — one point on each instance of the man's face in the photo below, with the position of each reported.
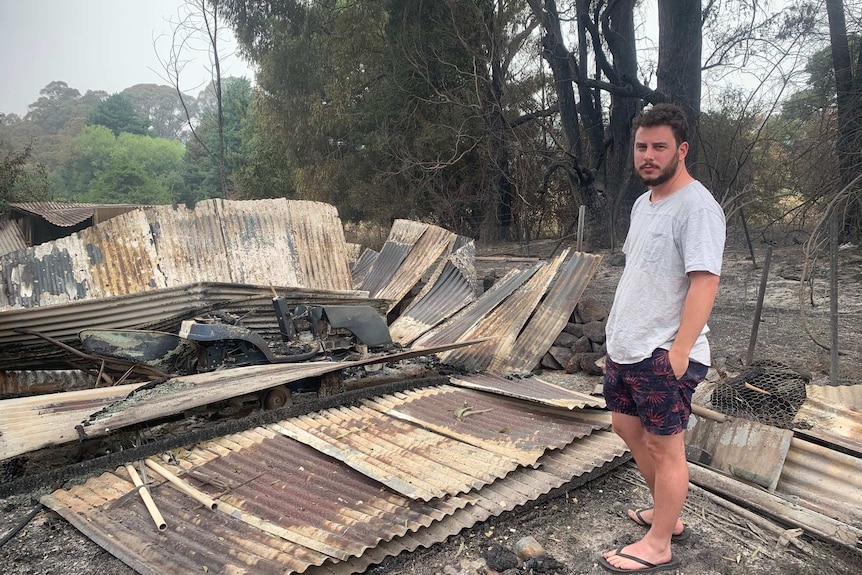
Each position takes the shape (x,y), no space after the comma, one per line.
(657,155)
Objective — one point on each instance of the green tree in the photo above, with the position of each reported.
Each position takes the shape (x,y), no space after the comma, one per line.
(204,168)
(19,179)
(117,114)
(163,108)
(128,168)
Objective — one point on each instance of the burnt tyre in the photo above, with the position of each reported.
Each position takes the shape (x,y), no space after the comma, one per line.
(276,398)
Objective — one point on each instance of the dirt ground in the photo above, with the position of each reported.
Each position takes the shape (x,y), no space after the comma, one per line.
(575,526)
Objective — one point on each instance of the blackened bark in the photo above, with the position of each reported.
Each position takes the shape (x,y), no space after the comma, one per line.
(679,63)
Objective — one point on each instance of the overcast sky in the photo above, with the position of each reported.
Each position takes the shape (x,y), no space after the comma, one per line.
(92,45)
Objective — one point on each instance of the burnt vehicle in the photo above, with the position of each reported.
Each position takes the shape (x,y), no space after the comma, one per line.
(221,341)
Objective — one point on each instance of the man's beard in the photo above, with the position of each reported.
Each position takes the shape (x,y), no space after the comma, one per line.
(663,176)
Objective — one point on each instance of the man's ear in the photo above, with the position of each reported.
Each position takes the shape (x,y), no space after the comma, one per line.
(683,150)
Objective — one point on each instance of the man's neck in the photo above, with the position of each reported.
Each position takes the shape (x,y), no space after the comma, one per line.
(680,180)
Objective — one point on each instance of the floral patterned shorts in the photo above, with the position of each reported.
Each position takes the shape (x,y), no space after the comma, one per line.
(650,391)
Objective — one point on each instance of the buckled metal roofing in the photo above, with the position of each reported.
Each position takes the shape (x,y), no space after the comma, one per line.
(67,215)
(283,507)
(169,246)
(11,238)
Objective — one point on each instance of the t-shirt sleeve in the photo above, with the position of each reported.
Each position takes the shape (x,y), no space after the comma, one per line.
(703,240)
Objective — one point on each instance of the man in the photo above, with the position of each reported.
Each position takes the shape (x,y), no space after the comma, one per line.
(656,330)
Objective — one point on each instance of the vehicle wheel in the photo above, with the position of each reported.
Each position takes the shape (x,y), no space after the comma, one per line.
(276,398)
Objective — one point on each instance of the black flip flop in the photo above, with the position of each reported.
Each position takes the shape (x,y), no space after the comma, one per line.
(676,537)
(647,566)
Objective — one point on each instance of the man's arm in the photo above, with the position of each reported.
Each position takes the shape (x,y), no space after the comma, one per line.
(702,289)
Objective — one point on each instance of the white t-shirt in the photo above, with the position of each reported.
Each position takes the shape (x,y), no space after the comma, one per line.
(681,233)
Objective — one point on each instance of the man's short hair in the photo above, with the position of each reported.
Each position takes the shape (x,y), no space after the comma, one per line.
(664,114)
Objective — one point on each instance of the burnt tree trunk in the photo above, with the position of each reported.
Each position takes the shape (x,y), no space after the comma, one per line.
(679,63)
(848,80)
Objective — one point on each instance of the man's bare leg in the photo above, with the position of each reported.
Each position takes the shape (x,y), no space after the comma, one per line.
(661,460)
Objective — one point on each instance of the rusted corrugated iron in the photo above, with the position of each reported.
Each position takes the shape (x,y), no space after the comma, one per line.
(823,479)
(504,322)
(11,238)
(283,508)
(531,389)
(365,263)
(571,466)
(405,457)
(402,237)
(550,316)
(66,215)
(160,309)
(261,242)
(34,382)
(467,318)
(511,429)
(832,414)
(452,287)
(410,251)
(30,423)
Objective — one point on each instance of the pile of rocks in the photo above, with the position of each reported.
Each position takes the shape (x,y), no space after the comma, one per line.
(582,342)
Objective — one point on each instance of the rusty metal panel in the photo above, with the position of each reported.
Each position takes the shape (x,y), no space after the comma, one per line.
(360,269)
(181,393)
(467,318)
(451,288)
(591,455)
(11,238)
(833,414)
(66,215)
(167,246)
(550,316)
(422,256)
(511,429)
(190,243)
(503,324)
(316,233)
(530,389)
(823,479)
(34,382)
(285,508)
(402,237)
(409,459)
(30,423)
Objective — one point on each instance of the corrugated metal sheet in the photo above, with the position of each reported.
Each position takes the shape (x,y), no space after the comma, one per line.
(35,382)
(159,309)
(550,316)
(504,322)
(67,215)
(409,257)
(589,456)
(823,479)
(833,414)
(449,290)
(183,393)
(511,429)
(11,238)
(359,271)
(467,318)
(530,389)
(284,508)
(262,242)
(402,237)
(30,423)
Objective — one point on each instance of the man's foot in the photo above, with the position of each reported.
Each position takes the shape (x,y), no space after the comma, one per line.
(644,517)
(637,558)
